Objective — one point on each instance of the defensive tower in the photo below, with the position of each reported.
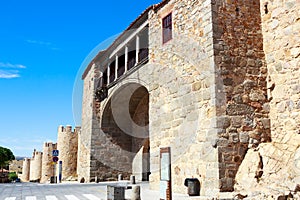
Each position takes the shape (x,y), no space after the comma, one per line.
(47,166)
(67,144)
(36,166)
(26,170)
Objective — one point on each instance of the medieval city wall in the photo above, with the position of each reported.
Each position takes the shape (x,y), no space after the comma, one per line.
(47,163)
(67,144)
(221,92)
(182,110)
(181,84)
(16,166)
(26,170)
(112,140)
(279,160)
(36,166)
(85,135)
(242,90)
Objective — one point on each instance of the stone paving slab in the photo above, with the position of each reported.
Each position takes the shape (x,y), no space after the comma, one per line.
(80,191)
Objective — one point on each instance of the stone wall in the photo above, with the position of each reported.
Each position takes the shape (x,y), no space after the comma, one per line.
(181,84)
(47,162)
(16,166)
(113,139)
(26,170)
(242,90)
(278,163)
(85,135)
(67,144)
(181,112)
(208,97)
(36,166)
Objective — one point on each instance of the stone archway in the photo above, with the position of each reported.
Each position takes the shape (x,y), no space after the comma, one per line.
(141,146)
(124,123)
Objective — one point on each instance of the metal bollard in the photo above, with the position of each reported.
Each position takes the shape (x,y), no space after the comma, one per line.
(136,193)
(120,177)
(132,179)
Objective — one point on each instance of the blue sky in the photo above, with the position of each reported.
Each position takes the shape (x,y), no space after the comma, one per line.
(42,47)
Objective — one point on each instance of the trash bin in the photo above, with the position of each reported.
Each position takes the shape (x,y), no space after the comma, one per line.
(53,179)
(193,186)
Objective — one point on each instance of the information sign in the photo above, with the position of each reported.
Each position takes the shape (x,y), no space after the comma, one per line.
(55,153)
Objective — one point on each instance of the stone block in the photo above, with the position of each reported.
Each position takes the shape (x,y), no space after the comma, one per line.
(236,121)
(234,137)
(257,95)
(244,137)
(115,192)
(196,86)
(239,109)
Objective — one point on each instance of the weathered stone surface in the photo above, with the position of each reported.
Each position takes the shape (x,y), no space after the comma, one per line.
(257,95)
(26,170)
(244,137)
(209,84)
(245,177)
(36,166)
(239,109)
(67,144)
(47,162)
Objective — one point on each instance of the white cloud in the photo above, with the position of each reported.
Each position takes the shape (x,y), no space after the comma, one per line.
(38,42)
(9,65)
(43,43)
(9,74)
(9,71)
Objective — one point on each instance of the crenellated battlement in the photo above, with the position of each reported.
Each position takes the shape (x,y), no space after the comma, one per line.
(68,129)
(49,144)
(40,166)
(36,153)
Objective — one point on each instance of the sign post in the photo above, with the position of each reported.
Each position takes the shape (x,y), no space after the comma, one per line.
(165,174)
(60,171)
(55,153)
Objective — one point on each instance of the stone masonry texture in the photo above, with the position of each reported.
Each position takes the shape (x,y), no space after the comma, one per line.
(26,170)
(67,144)
(47,163)
(36,166)
(223,93)
(278,161)
(240,68)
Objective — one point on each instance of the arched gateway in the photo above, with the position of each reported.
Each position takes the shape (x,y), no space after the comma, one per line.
(207,90)
(124,123)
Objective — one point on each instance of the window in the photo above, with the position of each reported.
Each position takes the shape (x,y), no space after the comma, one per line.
(167,28)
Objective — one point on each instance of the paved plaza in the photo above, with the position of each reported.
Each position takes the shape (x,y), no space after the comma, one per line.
(73,191)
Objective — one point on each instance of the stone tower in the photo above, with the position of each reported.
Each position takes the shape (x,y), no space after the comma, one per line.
(26,170)
(67,144)
(36,166)
(47,167)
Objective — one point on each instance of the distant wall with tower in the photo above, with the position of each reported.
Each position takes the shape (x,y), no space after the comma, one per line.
(36,166)
(47,163)
(67,144)
(16,166)
(26,170)
(40,168)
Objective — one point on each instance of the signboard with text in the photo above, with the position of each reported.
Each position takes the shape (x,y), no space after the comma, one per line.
(165,174)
